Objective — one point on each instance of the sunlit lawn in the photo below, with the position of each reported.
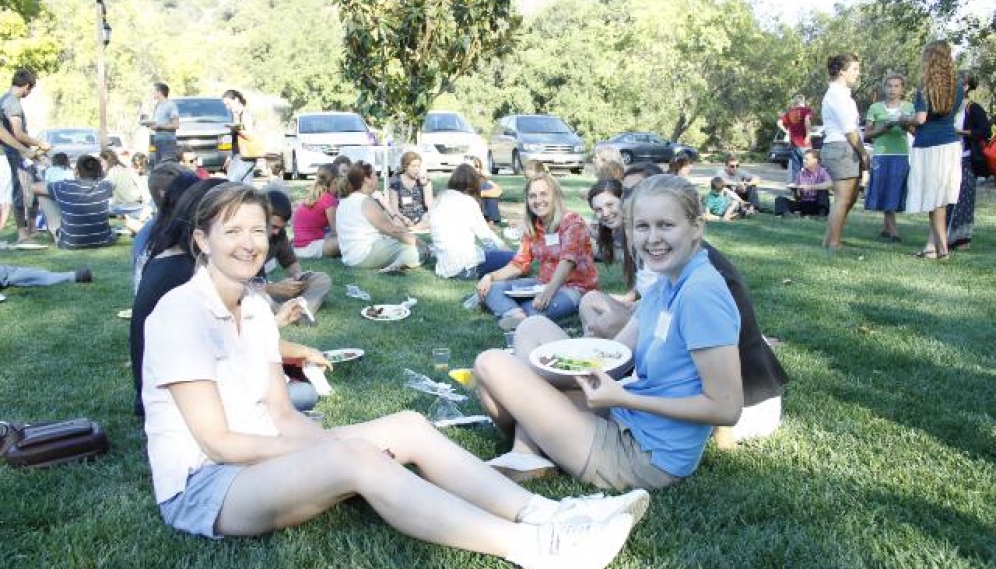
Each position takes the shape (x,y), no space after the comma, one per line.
(886,457)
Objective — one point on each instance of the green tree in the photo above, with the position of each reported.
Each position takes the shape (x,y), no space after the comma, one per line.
(22,45)
(402,55)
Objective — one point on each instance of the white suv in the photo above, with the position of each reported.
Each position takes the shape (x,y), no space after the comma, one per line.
(316,138)
(448,140)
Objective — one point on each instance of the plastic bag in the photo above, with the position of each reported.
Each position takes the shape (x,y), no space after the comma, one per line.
(419,382)
(353,291)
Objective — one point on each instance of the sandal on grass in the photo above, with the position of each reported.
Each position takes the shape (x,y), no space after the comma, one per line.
(521,466)
(926,254)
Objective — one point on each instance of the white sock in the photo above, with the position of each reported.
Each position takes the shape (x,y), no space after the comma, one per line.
(537,510)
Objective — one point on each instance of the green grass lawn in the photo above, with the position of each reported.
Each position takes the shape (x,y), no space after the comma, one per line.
(886,457)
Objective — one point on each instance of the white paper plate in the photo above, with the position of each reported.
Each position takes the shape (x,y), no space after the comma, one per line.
(525,291)
(343,355)
(470,421)
(606,355)
(29,246)
(389,312)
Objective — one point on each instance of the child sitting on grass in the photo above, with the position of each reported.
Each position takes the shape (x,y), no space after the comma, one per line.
(724,204)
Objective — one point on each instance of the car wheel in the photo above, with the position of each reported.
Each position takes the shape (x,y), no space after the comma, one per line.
(492,167)
(577,171)
(627,157)
(516,164)
(785,165)
(288,175)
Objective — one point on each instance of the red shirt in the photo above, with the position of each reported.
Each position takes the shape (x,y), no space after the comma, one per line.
(570,242)
(310,223)
(795,121)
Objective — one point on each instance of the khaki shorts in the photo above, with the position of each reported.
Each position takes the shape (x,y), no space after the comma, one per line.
(617,461)
(840,160)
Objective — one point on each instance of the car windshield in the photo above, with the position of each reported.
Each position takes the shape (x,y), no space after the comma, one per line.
(542,124)
(446,122)
(203,110)
(311,124)
(73,136)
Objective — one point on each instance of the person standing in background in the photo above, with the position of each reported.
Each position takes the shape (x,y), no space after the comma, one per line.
(890,165)
(935,161)
(164,123)
(843,154)
(972,125)
(797,123)
(239,168)
(12,117)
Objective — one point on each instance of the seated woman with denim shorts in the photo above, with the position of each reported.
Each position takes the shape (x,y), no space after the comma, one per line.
(231,457)
(559,240)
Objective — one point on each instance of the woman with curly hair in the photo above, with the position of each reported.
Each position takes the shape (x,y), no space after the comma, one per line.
(935,160)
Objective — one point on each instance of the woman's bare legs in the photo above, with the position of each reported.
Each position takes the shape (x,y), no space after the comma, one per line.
(601,315)
(4,214)
(937,233)
(460,503)
(845,194)
(546,416)
(889,223)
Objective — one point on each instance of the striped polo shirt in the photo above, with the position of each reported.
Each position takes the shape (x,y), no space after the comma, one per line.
(85,206)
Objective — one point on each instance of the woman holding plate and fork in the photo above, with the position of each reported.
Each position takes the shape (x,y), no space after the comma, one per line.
(651,432)
(559,240)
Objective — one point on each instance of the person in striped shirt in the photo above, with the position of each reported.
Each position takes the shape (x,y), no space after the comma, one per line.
(77,210)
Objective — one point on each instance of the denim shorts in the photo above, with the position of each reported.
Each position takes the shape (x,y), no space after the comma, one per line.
(196,509)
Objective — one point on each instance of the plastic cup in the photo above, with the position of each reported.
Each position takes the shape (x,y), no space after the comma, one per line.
(441,359)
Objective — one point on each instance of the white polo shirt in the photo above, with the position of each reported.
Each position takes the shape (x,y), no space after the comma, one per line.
(457,224)
(840,113)
(192,336)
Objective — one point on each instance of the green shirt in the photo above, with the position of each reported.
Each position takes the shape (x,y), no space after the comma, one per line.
(893,141)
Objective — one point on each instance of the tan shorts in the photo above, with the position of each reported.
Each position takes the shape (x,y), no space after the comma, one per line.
(617,461)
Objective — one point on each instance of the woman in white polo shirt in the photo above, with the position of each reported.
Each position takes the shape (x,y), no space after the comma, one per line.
(843,154)
(231,457)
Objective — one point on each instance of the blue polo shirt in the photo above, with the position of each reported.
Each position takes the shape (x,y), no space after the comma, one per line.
(694,313)
(85,206)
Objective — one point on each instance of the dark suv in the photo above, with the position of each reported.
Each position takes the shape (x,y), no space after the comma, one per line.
(204,127)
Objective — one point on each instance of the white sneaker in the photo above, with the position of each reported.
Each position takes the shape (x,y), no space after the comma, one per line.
(599,508)
(580,546)
(2,298)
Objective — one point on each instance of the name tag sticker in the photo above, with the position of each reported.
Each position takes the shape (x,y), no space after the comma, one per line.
(406,200)
(552,239)
(218,344)
(663,324)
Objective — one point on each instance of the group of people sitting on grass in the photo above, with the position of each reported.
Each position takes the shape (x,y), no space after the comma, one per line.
(225,432)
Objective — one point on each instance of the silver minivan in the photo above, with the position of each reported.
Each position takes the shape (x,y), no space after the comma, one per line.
(517,139)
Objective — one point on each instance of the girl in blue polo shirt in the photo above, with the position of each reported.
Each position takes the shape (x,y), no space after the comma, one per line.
(651,432)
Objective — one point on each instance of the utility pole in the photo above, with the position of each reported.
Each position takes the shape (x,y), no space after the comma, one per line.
(103,38)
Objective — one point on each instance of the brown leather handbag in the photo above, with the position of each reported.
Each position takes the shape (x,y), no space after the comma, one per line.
(47,444)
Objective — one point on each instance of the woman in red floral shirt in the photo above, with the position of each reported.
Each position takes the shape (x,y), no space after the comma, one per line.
(559,240)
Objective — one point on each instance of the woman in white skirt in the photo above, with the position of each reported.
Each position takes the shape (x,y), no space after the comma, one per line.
(935,159)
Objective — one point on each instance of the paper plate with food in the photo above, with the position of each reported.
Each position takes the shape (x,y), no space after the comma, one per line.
(386,312)
(343,355)
(577,356)
(526,291)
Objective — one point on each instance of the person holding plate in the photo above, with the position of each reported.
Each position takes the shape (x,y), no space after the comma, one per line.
(230,456)
(650,433)
(559,240)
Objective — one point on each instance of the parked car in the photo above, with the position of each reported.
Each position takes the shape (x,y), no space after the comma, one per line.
(779,151)
(517,139)
(448,140)
(74,142)
(646,147)
(204,128)
(316,138)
